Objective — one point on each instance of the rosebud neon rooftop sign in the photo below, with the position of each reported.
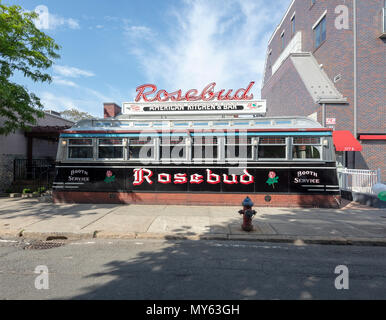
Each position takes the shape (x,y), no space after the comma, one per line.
(149,93)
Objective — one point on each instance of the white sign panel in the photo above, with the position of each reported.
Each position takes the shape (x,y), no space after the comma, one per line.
(195,107)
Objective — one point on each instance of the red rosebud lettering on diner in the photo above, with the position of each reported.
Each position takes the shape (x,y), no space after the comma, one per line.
(164,178)
(212,178)
(180,178)
(246,178)
(207,94)
(139,176)
(196,179)
(233,181)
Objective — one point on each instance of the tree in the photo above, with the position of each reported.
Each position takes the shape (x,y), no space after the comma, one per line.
(75,115)
(23,48)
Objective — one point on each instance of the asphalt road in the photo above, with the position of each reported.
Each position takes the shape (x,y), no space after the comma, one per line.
(151,269)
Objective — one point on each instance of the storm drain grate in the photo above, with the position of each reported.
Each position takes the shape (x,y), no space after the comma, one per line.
(43,245)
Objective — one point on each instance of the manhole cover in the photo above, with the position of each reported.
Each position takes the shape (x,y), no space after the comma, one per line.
(42,245)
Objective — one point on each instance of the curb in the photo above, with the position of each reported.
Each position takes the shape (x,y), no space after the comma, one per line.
(296,240)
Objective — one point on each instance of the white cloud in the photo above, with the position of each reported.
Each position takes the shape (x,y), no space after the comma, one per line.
(136,32)
(52,21)
(72,72)
(60,81)
(206,44)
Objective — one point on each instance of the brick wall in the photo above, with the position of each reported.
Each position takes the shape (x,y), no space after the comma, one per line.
(336,55)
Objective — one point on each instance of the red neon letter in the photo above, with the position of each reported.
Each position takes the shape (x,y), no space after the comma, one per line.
(144,95)
(191,95)
(234,179)
(180,178)
(164,178)
(208,90)
(246,178)
(196,179)
(212,178)
(139,176)
(244,96)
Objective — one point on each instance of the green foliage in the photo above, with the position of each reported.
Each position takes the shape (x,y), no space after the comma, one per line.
(75,115)
(41,190)
(25,49)
(25,191)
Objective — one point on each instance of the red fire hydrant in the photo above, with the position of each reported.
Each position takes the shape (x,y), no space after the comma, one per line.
(247,213)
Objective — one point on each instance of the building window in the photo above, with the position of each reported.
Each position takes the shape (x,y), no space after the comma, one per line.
(141,148)
(272,148)
(282,41)
(205,148)
(306,148)
(320,32)
(110,149)
(293,25)
(313,2)
(173,147)
(238,147)
(80,149)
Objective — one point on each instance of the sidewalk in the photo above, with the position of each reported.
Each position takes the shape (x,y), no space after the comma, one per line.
(35,219)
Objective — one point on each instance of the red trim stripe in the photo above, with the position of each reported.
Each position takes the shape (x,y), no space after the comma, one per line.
(373,137)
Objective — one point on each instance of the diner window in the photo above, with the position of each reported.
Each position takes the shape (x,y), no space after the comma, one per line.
(320,32)
(272,148)
(141,148)
(238,147)
(110,149)
(306,148)
(205,148)
(173,147)
(80,149)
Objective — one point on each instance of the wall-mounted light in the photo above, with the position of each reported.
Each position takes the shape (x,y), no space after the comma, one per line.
(325,142)
(64,143)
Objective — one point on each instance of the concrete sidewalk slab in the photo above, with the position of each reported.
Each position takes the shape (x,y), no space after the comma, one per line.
(182,225)
(41,220)
(120,223)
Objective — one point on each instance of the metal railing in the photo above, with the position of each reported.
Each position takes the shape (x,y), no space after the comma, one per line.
(37,172)
(357,180)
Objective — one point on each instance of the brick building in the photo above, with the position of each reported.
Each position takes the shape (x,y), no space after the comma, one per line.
(327,60)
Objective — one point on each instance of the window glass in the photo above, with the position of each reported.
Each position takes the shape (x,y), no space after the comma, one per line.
(305,152)
(110,148)
(80,142)
(110,152)
(272,152)
(205,148)
(80,149)
(272,148)
(80,152)
(320,32)
(110,141)
(238,147)
(306,140)
(306,148)
(141,148)
(293,25)
(173,147)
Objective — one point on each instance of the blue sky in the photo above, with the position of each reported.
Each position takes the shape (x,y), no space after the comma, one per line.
(111,47)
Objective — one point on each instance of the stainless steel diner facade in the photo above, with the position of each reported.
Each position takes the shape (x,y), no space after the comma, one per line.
(198,158)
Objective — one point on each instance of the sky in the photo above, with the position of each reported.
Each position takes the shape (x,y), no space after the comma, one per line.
(109,48)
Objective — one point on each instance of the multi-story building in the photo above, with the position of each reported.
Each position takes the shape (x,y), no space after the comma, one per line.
(327,60)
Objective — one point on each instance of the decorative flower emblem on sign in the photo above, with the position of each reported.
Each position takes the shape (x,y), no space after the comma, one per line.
(109,177)
(272,179)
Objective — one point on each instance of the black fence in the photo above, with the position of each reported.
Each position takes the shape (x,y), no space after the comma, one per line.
(37,172)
